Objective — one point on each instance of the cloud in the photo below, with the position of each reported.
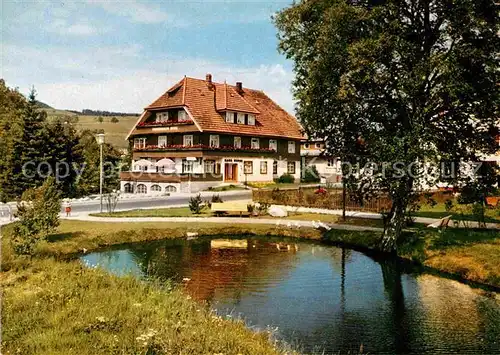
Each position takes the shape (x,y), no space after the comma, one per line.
(63,27)
(146,13)
(120,79)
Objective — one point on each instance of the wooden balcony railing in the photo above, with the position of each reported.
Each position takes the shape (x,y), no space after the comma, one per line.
(223,148)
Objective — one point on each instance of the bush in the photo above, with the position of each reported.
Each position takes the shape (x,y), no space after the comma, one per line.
(196,204)
(286,179)
(114,120)
(38,213)
(216,198)
(311,174)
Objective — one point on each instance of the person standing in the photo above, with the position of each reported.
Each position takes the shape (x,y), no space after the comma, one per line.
(67,208)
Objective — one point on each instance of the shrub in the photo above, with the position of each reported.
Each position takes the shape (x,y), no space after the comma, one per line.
(448,205)
(38,213)
(311,174)
(196,204)
(216,198)
(114,120)
(478,211)
(286,179)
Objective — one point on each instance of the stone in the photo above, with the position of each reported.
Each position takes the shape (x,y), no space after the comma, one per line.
(276,211)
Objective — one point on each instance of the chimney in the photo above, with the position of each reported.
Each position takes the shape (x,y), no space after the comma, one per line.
(239,87)
(208,79)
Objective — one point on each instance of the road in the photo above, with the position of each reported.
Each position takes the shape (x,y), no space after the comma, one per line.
(150,202)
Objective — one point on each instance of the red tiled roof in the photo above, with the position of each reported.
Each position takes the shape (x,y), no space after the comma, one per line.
(207,102)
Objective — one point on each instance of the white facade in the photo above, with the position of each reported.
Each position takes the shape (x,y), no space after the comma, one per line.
(234,170)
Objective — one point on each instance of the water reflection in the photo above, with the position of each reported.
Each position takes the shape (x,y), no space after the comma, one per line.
(321,297)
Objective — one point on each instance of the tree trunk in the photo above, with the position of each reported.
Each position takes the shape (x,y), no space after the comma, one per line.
(394,227)
(396,220)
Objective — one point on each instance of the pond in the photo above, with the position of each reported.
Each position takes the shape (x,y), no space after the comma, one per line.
(320,298)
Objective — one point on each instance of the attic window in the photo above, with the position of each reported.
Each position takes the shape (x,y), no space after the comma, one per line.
(241,118)
(251,120)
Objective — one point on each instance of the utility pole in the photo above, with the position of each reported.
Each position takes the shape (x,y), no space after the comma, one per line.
(100,141)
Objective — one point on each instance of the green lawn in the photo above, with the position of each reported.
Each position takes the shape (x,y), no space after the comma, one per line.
(185,212)
(439,211)
(157,212)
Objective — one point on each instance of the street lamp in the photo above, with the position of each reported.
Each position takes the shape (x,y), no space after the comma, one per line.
(100,140)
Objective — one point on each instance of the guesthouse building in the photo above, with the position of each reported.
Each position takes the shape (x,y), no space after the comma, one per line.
(201,134)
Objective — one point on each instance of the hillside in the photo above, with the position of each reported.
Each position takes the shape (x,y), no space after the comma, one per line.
(115,131)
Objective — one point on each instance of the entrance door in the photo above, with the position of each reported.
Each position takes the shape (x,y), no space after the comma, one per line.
(230,172)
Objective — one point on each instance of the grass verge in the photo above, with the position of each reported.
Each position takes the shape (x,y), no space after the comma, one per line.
(439,211)
(56,307)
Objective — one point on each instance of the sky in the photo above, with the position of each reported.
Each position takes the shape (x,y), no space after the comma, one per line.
(121,55)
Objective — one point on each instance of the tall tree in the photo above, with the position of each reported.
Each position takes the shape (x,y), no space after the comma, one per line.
(12,105)
(416,79)
(88,180)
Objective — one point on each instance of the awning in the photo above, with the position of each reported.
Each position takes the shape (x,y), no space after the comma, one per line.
(143,162)
(165,162)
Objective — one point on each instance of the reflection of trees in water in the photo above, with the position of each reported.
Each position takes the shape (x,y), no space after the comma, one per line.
(160,260)
(396,322)
(229,272)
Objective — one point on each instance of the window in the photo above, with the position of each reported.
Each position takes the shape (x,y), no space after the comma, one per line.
(291,167)
(241,118)
(263,167)
(142,189)
(229,117)
(330,162)
(139,143)
(248,167)
(251,120)
(209,166)
(273,144)
(162,116)
(156,188)
(255,143)
(171,188)
(306,145)
(187,166)
(275,167)
(162,141)
(237,142)
(318,145)
(291,147)
(182,116)
(214,141)
(127,188)
(188,140)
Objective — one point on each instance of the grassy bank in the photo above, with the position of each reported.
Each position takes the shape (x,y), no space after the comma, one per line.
(54,307)
(74,237)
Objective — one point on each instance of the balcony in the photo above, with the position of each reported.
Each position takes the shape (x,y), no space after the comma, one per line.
(223,148)
(164,124)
